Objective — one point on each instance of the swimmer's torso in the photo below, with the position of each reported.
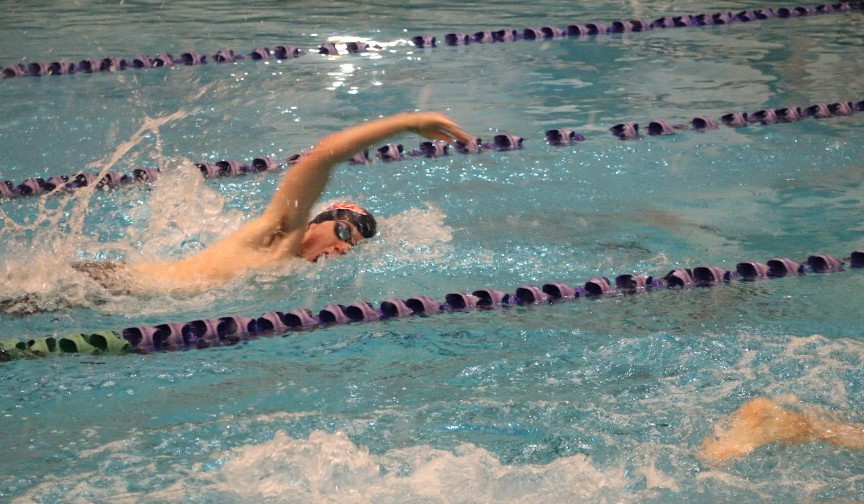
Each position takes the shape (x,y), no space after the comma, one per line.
(249,248)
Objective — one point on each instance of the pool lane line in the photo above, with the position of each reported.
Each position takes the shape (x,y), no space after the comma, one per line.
(39,186)
(288,52)
(630,130)
(235,329)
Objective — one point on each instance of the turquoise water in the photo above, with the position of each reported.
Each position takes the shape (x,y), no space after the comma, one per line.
(596,401)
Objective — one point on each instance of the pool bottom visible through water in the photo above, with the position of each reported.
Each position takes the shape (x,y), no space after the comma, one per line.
(592,400)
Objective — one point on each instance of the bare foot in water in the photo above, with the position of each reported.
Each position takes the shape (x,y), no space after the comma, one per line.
(758,422)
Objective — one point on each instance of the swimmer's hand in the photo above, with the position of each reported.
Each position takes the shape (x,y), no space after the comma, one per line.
(436,126)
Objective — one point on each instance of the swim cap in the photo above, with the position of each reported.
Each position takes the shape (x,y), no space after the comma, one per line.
(355,214)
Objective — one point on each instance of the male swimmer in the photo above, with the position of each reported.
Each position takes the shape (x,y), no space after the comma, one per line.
(763,421)
(284,230)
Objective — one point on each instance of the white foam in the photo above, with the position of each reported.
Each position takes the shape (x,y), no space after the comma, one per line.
(329,467)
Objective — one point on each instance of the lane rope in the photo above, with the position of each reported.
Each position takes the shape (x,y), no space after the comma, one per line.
(234,329)
(630,130)
(288,52)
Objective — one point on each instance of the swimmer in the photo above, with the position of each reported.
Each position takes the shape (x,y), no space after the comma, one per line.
(763,421)
(284,230)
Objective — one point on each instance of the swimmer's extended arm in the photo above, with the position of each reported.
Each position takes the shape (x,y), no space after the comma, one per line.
(305,181)
(278,233)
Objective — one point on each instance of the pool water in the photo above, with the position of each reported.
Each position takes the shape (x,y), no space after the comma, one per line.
(601,400)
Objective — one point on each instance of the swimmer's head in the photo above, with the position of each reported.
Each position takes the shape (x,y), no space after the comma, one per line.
(335,230)
(361,218)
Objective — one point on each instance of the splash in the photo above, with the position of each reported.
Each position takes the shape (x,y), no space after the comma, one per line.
(329,467)
(166,219)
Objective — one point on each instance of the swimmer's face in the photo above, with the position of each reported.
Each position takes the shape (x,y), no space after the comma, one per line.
(329,238)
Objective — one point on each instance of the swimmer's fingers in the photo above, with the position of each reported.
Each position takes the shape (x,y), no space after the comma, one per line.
(435,126)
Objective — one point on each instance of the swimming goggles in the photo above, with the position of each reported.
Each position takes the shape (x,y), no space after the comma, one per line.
(345,232)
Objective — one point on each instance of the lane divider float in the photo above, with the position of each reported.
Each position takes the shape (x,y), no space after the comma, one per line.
(234,329)
(288,52)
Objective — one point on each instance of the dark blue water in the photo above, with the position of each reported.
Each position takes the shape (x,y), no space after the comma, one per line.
(598,400)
